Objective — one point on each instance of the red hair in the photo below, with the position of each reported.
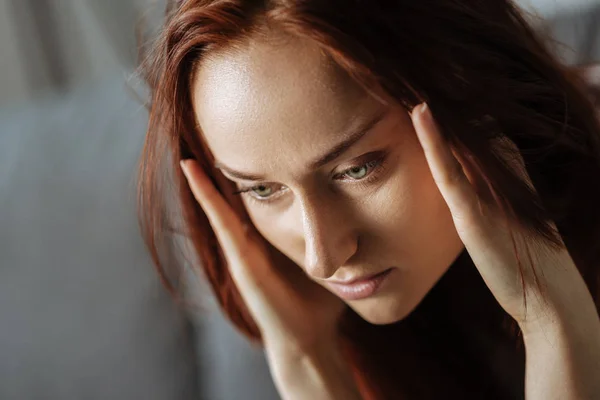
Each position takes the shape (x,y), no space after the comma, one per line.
(485,75)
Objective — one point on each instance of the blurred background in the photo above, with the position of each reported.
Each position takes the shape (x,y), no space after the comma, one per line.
(82,313)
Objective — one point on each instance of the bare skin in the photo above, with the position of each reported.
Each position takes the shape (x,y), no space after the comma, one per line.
(271,110)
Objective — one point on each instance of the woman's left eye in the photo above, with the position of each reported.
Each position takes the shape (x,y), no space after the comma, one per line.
(361,171)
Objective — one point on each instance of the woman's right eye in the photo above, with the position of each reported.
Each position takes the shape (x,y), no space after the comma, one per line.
(261,193)
(266,190)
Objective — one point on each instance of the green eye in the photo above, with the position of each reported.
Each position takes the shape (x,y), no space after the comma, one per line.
(358,172)
(262,191)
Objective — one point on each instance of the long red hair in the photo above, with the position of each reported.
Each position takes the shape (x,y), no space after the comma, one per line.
(485,75)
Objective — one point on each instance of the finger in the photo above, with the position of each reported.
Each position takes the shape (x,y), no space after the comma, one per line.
(256,285)
(227,226)
(446,169)
(484,235)
(247,261)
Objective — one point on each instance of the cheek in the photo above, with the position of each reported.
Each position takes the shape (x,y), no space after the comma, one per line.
(409,194)
(432,218)
(412,211)
(432,241)
(279,231)
(263,221)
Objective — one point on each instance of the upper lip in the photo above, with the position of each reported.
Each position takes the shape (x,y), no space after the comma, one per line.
(356,279)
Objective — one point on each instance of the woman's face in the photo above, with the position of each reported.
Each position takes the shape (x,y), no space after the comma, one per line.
(274,115)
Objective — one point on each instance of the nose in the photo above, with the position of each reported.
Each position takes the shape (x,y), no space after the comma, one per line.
(329,237)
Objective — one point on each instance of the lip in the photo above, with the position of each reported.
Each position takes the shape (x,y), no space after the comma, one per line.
(359,288)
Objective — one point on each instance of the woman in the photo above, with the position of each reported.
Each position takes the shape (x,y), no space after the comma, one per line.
(397,199)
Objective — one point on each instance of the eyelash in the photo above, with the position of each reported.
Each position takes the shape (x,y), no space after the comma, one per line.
(376,166)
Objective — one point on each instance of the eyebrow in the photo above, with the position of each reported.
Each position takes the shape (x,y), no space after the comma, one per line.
(335,152)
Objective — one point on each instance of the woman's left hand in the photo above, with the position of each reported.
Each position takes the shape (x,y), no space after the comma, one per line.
(486,234)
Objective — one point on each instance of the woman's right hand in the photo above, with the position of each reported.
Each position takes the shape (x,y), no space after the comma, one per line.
(298,318)
(290,311)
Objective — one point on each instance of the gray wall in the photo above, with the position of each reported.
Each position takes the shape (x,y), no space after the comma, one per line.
(87,40)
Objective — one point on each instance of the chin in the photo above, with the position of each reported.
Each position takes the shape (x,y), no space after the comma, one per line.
(383,311)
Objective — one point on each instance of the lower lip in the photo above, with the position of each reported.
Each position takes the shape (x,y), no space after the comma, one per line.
(360,289)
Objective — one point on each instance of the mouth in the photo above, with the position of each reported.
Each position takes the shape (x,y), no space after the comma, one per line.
(360,288)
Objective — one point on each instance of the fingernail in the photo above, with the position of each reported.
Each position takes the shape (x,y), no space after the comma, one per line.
(424,108)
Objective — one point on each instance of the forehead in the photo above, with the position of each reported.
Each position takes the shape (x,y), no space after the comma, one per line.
(274,97)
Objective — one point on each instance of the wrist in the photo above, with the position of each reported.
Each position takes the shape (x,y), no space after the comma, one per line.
(290,362)
(563,355)
(563,319)
(316,372)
